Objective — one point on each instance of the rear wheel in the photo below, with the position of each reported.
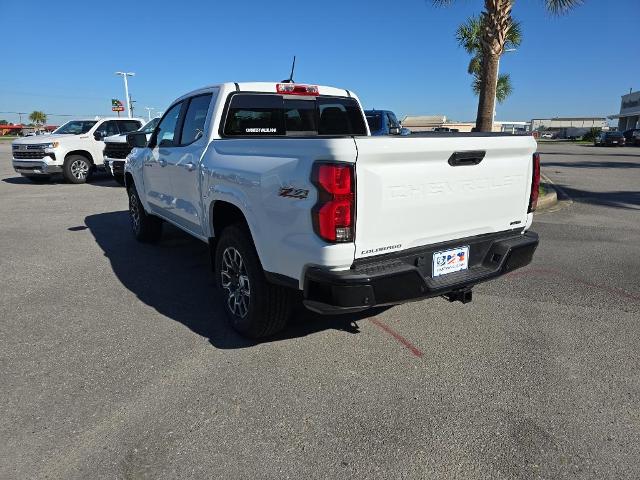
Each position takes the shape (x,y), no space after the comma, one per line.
(255,308)
(146,228)
(76,168)
(38,178)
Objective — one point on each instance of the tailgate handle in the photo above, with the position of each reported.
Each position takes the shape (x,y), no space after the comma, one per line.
(460,159)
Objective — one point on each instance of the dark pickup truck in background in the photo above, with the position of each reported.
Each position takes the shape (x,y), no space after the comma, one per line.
(384,122)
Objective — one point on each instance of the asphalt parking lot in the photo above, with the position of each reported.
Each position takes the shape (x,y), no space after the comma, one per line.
(116,363)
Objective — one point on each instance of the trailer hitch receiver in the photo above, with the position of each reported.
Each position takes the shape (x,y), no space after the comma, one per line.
(465,295)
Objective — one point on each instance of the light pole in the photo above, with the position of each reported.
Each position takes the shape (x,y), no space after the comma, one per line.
(148,109)
(495,100)
(126,89)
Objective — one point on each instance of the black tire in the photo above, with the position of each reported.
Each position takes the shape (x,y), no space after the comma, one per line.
(76,169)
(146,228)
(119,179)
(38,178)
(267,306)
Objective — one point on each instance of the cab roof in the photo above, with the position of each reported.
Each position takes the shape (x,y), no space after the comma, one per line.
(266,87)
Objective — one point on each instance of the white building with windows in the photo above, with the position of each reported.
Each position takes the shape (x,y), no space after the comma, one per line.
(629,116)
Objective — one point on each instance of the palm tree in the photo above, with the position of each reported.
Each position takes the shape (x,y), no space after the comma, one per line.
(496,22)
(468,37)
(38,118)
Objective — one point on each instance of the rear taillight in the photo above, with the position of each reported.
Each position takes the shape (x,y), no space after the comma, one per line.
(333,215)
(535,183)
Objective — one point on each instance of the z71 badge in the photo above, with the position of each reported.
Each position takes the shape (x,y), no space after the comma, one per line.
(292,192)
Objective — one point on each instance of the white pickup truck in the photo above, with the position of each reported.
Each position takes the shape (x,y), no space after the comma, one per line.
(290,191)
(116,150)
(74,149)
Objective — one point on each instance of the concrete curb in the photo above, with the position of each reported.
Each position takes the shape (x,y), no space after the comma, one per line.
(551,198)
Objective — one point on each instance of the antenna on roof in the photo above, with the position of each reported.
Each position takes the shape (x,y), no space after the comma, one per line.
(293,66)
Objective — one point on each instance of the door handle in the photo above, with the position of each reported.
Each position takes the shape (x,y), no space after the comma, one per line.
(461,159)
(162,162)
(189,166)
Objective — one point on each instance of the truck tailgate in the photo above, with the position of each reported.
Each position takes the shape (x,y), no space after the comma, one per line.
(409,194)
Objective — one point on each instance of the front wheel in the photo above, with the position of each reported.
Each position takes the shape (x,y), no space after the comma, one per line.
(76,169)
(146,228)
(255,308)
(119,179)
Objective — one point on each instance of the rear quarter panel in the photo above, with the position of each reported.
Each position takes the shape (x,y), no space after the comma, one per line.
(269,180)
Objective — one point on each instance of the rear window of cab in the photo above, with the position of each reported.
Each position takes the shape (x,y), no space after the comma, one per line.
(260,115)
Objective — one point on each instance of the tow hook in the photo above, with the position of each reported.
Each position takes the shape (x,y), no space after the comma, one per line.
(465,295)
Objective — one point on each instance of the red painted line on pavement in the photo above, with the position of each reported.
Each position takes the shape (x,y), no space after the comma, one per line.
(410,346)
(551,271)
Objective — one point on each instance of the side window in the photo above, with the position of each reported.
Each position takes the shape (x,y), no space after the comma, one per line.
(375,121)
(109,128)
(127,126)
(194,119)
(340,116)
(393,121)
(255,115)
(165,134)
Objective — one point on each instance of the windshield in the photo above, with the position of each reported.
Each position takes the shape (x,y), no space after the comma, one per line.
(614,134)
(150,127)
(76,127)
(374,121)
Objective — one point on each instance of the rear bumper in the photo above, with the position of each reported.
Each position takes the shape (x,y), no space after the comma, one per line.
(407,276)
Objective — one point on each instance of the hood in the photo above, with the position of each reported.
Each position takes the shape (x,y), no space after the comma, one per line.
(120,138)
(39,139)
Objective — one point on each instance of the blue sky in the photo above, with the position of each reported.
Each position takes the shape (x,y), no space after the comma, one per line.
(398,55)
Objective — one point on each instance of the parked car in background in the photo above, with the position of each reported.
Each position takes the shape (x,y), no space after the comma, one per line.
(271,175)
(116,150)
(446,129)
(609,139)
(384,122)
(631,135)
(74,149)
(636,138)
(36,133)
(547,135)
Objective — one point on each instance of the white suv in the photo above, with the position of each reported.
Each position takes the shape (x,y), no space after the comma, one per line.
(75,149)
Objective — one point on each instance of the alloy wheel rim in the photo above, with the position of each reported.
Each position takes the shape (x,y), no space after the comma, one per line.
(79,169)
(235,282)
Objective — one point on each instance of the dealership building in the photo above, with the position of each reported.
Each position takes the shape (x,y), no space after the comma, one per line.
(629,116)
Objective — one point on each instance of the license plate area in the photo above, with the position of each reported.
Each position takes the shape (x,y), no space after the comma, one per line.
(449,261)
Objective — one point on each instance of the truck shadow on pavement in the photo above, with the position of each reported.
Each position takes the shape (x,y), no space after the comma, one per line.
(588,154)
(598,164)
(174,277)
(629,200)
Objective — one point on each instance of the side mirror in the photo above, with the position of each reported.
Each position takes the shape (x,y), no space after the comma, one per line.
(98,136)
(137,139)
(394,130)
